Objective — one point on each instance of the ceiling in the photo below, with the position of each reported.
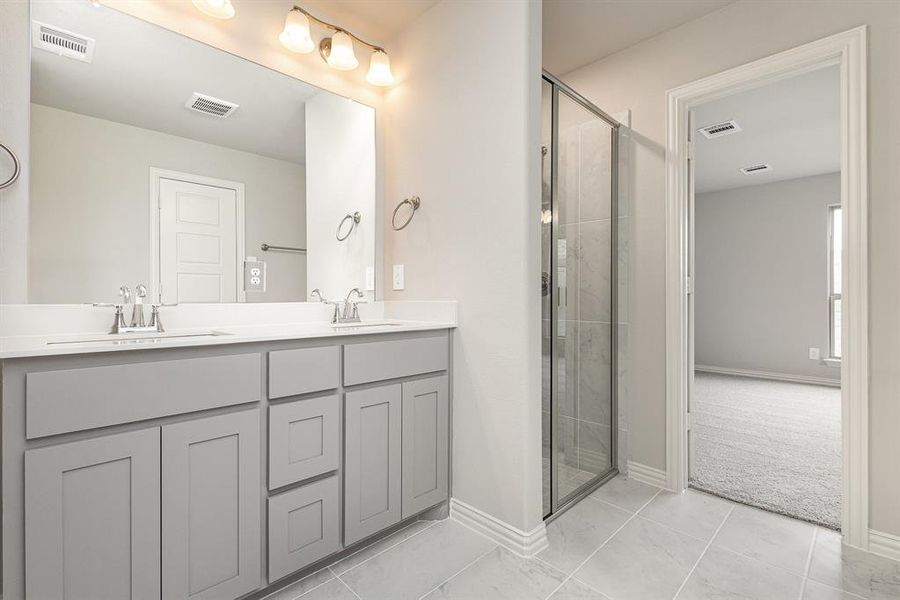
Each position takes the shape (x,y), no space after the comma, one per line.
(579,32)
(142,75)
(793,125)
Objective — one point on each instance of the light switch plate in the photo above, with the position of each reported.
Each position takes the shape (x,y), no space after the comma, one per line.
(254,276)
(398,277)
(815,354)
(370,279)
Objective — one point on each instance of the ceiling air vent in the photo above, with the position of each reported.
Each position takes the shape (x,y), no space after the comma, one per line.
(720,129)
(62,42)
(210,106)
(756,169)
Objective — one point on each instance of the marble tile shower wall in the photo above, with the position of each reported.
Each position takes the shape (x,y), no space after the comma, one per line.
(584,188)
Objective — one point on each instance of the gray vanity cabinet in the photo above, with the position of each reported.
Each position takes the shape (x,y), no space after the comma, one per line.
(371,461)
(92,518)
(426,414)
(211,507)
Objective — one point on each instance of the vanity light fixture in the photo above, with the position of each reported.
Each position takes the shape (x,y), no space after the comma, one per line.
(337,51)
(295,36)
(219,9)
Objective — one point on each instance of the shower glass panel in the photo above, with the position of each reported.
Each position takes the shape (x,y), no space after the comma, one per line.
(578,300)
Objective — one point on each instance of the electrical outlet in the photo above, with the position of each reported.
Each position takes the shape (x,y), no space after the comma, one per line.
(254,276)
(398,277)
(815,354)
(370,279)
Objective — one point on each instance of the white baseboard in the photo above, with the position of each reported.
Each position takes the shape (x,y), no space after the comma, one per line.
(768,375)
(526,544)
(644,474)
(884,544)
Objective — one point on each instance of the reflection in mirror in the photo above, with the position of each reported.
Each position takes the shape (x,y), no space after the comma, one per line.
(157,159)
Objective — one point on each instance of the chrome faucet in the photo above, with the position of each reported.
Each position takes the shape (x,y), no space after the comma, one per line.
(137,312)
(351,307)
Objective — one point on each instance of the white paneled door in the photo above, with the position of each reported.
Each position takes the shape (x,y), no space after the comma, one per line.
(198,242)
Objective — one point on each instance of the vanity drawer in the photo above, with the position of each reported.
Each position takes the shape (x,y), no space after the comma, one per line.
(303,527)
(303,370)
(77,399)
(376,361)
(304,439)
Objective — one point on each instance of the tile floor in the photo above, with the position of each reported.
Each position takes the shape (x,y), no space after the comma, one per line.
(627,541)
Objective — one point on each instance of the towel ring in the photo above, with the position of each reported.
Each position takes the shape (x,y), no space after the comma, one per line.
(414,203)
(354,219)
(16,168)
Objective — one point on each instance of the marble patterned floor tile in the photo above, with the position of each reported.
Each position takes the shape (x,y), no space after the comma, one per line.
(818,591)
(501,575)
(724,575)
(773,539)
(419,564)
(576,534)
(625,493)
(643,561)
(295,590)
(852,570)
(690,512)
(575,590)
(348,562)
(333,590)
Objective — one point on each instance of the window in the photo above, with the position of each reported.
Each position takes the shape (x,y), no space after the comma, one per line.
(835,250)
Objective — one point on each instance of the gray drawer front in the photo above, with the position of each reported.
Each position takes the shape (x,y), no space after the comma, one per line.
(78,399)
(303,370)
(304,439)
(376,361)
(303,527)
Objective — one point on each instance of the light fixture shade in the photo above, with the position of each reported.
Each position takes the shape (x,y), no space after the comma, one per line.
(220,9)
(295,36)
(341,56)
(380,69)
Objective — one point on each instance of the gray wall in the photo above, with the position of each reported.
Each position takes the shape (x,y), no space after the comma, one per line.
(90,228)
(638,78)
(762,276)
(464,137)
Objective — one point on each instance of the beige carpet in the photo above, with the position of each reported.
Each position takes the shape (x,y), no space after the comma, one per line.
(769,444)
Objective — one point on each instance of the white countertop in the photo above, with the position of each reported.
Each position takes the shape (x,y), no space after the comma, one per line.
(86,343)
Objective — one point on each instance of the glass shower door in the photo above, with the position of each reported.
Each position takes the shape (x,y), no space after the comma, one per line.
(578,303)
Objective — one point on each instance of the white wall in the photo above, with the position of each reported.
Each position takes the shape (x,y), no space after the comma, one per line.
(340,161)
(638,77)
(464,135)
(90,224)
(761,276)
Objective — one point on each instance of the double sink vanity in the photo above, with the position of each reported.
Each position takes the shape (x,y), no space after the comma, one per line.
(213,466)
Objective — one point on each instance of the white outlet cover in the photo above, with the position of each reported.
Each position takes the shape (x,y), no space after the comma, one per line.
(814,354)
(398,277)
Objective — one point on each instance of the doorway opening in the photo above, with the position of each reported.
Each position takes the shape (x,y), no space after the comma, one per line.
(842,295)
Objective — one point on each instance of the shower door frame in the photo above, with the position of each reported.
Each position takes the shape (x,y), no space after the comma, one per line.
(556,507)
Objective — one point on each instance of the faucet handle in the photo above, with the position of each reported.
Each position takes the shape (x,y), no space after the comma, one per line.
(140,290)
(125,293)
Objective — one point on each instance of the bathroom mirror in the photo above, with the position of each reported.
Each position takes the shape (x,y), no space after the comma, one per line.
(160,160)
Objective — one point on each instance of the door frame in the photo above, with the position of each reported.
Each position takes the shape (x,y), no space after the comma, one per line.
(847,49)
(155,175)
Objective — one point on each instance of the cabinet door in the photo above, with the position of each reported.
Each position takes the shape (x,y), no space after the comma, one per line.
(92,518)
(211,507)
(304,439)
(371,461)
(426,413)
(304,526)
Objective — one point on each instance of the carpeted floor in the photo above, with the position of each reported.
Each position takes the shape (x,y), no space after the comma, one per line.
(769,444)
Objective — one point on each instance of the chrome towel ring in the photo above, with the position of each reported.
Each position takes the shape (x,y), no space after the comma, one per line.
(414,203)
(354,219)
(16,168)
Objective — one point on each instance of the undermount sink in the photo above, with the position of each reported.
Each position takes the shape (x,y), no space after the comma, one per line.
(366,324)
(137,338)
